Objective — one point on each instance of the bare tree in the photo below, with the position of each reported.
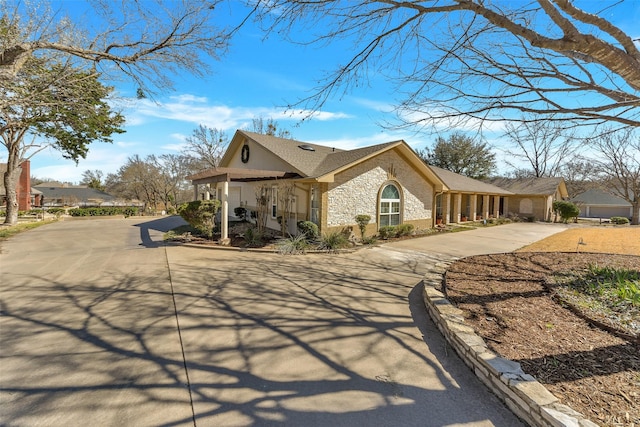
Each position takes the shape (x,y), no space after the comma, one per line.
(268,127)
(206,146)
(544,145)
(578,176)
(461,60)
(147,41)
(617,163)
(93,179)
(53,70)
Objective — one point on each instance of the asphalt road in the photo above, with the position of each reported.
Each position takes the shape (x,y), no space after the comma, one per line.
(103,325)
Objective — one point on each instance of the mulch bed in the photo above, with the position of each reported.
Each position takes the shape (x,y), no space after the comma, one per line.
(508,301)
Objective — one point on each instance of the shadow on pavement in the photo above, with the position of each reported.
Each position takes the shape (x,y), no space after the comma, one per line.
(163,225)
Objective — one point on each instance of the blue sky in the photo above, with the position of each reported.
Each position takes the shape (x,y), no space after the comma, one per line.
(255,78)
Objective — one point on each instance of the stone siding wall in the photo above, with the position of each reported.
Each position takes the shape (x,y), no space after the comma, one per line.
(355,191)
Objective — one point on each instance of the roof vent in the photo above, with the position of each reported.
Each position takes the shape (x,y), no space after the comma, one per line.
(306,147)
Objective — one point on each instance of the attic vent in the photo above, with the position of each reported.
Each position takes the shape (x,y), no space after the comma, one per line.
(306,147)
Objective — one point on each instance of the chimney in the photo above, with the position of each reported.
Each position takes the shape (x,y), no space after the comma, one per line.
(23,190)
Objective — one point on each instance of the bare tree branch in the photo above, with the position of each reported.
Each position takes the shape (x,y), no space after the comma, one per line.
(460,60)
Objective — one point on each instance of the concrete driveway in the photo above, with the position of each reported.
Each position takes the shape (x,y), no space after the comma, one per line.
(103,325)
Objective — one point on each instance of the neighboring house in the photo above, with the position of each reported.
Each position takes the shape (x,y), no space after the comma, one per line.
(27,196)
(58,194)
(533,197)
(388,182)
(600,204)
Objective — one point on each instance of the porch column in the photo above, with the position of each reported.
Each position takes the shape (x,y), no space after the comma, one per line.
(207,192)
(446,208)
(496,206)
(485,206)
(457,204)
(474,207)
(195,192)
(225,210)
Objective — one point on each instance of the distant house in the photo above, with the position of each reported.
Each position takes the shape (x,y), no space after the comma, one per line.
(58,194)
(600,204)
(27,196)
(533,197)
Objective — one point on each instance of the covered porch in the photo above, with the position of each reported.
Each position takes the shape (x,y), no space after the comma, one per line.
(219,179)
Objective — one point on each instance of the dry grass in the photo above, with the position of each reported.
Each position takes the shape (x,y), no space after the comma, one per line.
(613,240)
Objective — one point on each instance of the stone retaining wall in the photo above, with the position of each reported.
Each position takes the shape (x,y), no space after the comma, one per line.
(525,396)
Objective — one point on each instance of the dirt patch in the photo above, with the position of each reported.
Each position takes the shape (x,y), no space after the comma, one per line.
(508,301)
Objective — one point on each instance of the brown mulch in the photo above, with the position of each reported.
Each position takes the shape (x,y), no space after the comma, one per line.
(508,300)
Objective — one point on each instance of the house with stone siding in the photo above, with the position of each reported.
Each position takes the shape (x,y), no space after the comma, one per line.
(330,186)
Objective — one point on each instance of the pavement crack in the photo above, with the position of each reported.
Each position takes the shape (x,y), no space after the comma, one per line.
(184,357)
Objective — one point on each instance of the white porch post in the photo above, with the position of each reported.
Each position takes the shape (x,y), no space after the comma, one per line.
(225,210)
(207,192)
(496,206)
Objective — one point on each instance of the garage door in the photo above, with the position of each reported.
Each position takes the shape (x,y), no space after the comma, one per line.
(608,211)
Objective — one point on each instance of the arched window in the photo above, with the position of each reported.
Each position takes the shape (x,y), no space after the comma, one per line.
(389,206)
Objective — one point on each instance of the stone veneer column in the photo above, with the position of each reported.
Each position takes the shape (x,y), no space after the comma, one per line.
(485,206)
(496,206)
(457,204)
(474,207)
(446,208)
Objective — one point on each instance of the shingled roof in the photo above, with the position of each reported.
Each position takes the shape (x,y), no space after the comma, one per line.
(313,160)
(303,161)
(529,186)
(459,183)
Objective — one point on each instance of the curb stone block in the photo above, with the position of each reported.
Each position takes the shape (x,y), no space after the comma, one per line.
(523,395)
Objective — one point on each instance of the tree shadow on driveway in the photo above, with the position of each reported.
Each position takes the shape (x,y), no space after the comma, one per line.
(231,338)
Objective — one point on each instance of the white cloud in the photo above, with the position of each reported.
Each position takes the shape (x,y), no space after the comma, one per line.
(192,109)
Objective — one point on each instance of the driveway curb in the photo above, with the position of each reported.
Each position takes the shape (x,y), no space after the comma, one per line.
(522,393)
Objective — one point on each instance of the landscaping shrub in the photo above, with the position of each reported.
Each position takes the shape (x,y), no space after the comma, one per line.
(404,230)
(253,238)
(619,220)
(201,215)
(333,241)
(369,240)
(292,245)
(387,232)
(240,213)
(56,211)
(566,210)
(362,221)
(309,229)
(130,211)
(103,211)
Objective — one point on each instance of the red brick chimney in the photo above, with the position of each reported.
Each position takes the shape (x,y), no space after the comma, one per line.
(23,189)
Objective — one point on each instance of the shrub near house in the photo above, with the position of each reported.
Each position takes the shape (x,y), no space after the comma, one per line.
(566,210)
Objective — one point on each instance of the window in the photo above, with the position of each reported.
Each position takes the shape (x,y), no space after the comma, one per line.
(274,202)
(315,205)
(389,206)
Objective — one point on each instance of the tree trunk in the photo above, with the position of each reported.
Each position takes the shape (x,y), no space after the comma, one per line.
(635,215)
(10,179)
